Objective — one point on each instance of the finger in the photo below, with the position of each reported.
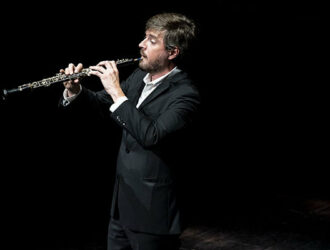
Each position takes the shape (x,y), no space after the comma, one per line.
(98,68)
(113,65)
(95,73)
(102,63)
(71,68)
(78,68)
(108,65)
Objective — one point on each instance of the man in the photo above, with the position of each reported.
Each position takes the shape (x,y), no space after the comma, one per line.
(153,106)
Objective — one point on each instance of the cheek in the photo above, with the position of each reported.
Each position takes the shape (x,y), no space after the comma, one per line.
(158,53)
(163,55)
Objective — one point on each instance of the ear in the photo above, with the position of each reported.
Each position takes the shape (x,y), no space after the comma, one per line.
(173,53)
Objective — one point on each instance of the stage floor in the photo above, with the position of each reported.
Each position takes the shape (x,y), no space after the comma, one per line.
(302,224)
(294,223)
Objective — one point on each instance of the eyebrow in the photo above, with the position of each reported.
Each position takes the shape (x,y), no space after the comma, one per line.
(152,36)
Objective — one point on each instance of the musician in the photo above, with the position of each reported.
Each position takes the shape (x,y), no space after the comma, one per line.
(153,106)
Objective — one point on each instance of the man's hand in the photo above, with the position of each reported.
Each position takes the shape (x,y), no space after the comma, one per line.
(73,86)
(108,73)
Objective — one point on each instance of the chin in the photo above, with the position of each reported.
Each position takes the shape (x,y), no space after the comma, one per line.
(143,65)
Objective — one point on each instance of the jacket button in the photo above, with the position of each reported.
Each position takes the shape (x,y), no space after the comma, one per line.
(127,150)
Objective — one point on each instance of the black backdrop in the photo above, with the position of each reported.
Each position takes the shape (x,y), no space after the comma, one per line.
(262,129)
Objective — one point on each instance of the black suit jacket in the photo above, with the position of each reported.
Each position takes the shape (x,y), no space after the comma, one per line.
(145,195)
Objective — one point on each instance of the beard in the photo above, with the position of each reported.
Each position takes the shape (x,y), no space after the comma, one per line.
(153,66)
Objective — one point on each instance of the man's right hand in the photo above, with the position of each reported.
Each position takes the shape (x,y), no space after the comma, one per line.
(73,86)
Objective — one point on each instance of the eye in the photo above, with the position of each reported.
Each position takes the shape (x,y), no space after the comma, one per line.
(151,39)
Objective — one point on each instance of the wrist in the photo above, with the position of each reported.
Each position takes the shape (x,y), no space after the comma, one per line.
(115,95)
(74,91)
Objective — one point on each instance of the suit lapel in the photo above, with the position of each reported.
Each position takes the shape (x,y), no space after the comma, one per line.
(158,91)
(137,93)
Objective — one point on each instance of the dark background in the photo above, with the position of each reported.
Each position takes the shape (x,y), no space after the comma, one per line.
(262,129)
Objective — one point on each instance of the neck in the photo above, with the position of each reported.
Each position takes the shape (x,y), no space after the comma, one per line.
(164,71)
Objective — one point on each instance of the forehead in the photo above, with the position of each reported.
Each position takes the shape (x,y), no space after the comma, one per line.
(155,33)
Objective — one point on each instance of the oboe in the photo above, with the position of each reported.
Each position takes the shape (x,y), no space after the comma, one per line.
(62,78)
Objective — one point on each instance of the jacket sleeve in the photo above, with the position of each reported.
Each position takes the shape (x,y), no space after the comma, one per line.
(98,102)
(149,132)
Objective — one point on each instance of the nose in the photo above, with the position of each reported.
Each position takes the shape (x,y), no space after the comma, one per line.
(142,44)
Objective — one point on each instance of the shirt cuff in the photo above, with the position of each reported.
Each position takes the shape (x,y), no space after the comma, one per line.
(118,102)
(68,99)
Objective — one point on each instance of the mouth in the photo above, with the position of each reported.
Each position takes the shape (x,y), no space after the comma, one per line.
(143,55)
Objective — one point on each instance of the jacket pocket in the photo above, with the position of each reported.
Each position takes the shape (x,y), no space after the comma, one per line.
(159,180)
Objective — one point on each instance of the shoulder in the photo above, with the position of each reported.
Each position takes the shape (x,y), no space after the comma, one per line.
(137,74)
(133,80)
(183,84)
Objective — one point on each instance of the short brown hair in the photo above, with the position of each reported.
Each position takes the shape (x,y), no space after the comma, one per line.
(180,31)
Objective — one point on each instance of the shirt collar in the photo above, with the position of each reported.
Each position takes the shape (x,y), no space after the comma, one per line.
(147,81)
